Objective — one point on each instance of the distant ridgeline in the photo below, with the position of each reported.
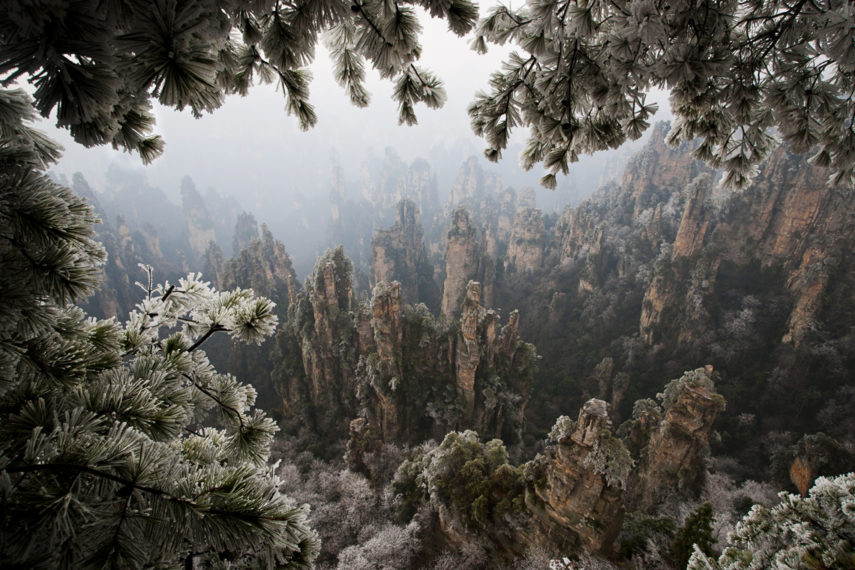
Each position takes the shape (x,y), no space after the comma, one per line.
(140,225)
(657,273)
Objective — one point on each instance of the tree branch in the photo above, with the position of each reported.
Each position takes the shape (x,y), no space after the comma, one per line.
(211,331)
(216,399)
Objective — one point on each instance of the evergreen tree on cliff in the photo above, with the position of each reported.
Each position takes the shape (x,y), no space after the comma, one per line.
(108,455)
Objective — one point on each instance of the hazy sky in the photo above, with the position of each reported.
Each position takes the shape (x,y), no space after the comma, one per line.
(250,148)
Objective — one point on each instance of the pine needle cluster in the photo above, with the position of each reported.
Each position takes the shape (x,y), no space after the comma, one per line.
(741,74)
(99,64)
(120,445)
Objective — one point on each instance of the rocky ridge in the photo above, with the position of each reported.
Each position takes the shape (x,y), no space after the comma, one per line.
(571,499)
(408,374)
(399,255)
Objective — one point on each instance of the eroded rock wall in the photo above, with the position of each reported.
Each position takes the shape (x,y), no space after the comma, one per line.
(410,375)
(670,442)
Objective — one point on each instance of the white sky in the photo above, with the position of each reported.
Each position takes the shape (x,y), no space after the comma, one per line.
(249,139)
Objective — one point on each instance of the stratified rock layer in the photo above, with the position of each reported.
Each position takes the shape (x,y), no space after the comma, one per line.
(574,507)
(671,461)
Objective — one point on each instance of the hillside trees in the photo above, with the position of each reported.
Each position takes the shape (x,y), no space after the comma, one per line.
(120,445)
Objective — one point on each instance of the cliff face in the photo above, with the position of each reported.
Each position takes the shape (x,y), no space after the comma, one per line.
(670,442)
(264,266)
(656,172)
(399,255)
(793,219)
(419,186)
(139,225)
(491,209)
(788,220)
(665,269)
(126,247)
(695,220)
(126,250)
(462,255)
(385,183)
(408,375)
(576,503)
(476,378)
(200,227)
(312,371)
(246,230)
(576,232)
(473,187)
(571,499)
(497,232)
(525,249)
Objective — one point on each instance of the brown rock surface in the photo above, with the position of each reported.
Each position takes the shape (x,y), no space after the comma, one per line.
(468,356)
(696,219)
(574,507)
(672,460)
(406,373)
(399,254)
(461,261)
(525,249)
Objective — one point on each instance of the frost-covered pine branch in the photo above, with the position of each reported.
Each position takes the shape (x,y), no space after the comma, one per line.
(741,75)
(817,531)
(120,445)
(100,74)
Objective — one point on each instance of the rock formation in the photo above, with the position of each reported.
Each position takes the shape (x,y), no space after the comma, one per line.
(499,224)
(525,250)
(386,183)
(200,227)
(572,498)
(473,187)
(127,246)
(410,376)
(671,459)
(696,219)
(461,261)
(576,499)
(657,172)
(419,186)
(399,255)
(788,219)
(264,266)
(246,230)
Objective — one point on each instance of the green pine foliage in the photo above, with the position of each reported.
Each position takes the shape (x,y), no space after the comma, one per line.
(696,533)
(580,80)
(120,445)
(817,531)
(470,480)
(99,65)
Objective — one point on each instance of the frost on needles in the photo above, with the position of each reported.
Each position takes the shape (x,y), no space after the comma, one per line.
(120,445)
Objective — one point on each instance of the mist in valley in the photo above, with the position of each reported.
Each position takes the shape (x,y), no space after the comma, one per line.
(469,370)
